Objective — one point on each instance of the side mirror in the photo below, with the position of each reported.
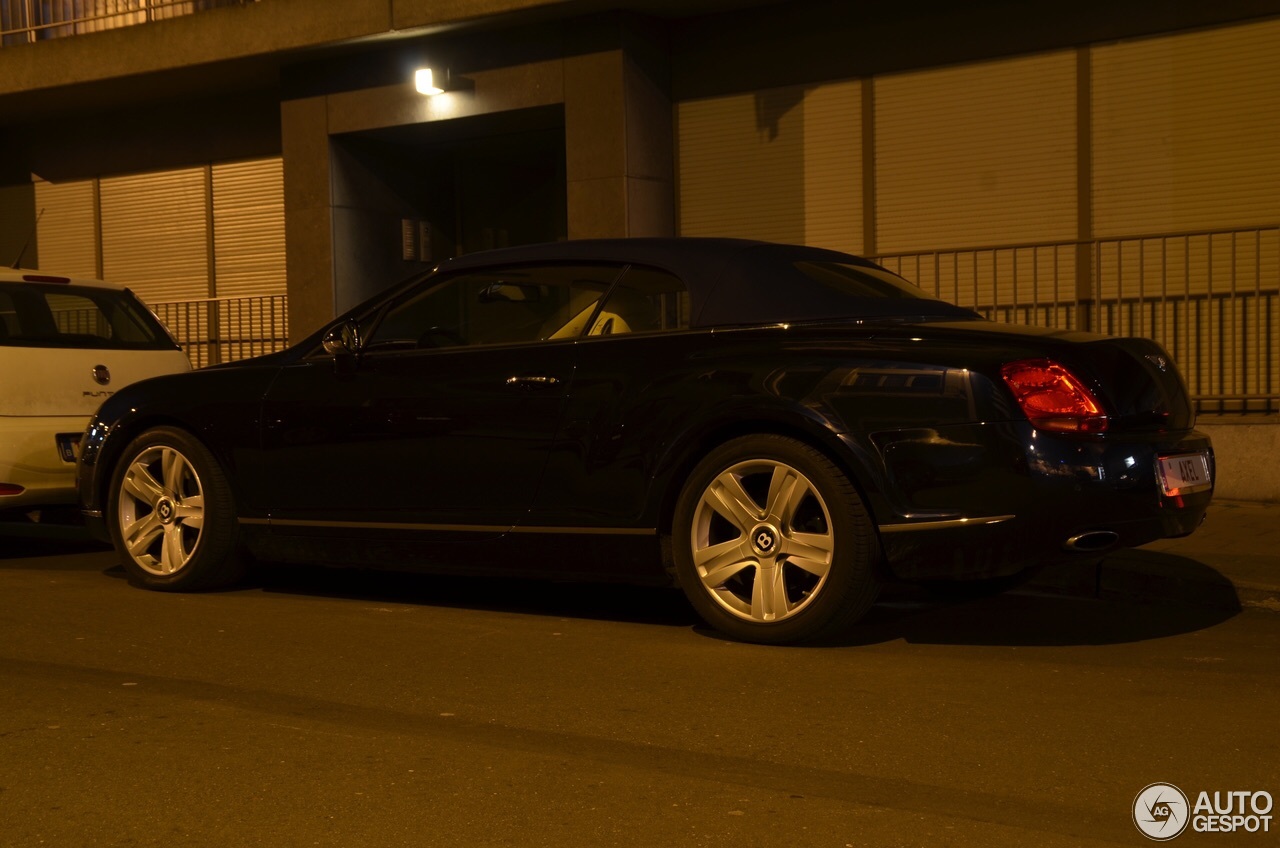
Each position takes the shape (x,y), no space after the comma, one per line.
(343,339)
(343,343)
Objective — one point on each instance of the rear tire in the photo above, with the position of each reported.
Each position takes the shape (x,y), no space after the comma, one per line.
(171,515)
(772,543)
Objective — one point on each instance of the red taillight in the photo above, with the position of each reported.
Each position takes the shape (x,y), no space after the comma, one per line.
(1054,398)
(44,278)
(10,489)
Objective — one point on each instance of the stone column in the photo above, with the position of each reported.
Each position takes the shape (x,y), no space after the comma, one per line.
(619,148)
(308,215)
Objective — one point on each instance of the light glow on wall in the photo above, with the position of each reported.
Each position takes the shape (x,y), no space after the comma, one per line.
(424,80)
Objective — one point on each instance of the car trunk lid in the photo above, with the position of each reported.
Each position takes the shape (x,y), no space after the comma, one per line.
(1138,383)
(1135,378)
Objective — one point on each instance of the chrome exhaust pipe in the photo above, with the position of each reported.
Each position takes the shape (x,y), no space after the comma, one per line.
(1094,541)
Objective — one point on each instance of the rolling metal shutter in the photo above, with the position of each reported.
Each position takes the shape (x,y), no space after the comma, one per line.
(833,166)
(248,228)
(981,154)
(155,234)
(249,256)
(68,233)
(1185,131)
(783,164)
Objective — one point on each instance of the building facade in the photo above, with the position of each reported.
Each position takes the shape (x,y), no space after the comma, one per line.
(254,168)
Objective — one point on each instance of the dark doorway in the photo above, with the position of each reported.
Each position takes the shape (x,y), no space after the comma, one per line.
(406,198)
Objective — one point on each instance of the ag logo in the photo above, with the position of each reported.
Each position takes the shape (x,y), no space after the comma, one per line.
(1161,811)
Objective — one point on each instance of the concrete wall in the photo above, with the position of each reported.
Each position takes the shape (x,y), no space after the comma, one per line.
(1248,456)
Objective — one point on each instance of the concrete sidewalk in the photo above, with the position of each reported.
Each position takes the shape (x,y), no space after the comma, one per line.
(1233,559)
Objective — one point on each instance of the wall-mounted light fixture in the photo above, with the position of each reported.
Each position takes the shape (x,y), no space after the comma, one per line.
(424,81)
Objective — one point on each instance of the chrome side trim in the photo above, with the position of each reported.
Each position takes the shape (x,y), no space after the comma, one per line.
(591,531)
(453,528)
(945,525)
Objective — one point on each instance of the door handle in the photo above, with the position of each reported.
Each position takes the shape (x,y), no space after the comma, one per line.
(534,381)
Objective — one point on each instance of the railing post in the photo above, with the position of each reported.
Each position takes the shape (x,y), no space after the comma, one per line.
(1087,258)
(1084,189)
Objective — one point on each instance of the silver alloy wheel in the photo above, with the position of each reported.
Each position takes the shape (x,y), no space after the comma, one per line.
(161,510)
(762,540)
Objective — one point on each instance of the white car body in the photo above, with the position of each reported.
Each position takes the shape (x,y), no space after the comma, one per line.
(53,364)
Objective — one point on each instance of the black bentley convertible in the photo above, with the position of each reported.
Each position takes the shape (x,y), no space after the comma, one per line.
(778,429)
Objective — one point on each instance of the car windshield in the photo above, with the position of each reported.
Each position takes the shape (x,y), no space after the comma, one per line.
(77,317)
(859,280)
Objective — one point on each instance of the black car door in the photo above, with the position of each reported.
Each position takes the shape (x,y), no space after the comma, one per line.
(442,423)
(636,380)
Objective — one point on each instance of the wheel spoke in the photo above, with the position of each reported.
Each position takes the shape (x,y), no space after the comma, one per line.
(769,595)
(726,496)
(172,554)
(139,483)
(139,535)
(719,563)
(786,490)
(190,513)
(810,551)
(173,464)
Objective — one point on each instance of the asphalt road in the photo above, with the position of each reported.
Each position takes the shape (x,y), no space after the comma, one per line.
(357,709)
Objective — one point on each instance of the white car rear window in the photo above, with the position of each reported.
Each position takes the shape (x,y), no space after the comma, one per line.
(34,315)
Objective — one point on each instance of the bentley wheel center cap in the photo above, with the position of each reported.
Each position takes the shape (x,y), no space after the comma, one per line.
(765,539)
(166,511)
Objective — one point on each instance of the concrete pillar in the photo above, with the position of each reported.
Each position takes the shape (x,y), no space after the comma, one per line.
(308,215)
(618,140)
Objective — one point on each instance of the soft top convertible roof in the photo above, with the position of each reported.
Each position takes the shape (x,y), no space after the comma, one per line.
(731,281)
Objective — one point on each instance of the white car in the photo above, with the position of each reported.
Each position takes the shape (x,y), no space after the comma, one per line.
(65,346)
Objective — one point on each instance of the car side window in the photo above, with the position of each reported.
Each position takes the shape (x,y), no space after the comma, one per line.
(645,300)
(494,306)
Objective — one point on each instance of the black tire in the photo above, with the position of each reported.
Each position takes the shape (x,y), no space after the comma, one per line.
(802,524)
(171,515)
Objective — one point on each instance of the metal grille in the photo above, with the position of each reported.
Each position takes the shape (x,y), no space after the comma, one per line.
(217,330)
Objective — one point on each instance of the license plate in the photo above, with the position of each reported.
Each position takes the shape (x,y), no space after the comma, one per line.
(69,446)
(1184,473)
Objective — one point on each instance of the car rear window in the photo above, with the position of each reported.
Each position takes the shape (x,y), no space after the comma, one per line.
(33,315)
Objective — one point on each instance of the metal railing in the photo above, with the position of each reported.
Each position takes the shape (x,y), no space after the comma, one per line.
(25,21)
(217,330)
(1211,297)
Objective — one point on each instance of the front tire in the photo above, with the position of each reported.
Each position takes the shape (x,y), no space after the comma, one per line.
(171,515)
(772,543)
